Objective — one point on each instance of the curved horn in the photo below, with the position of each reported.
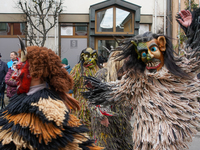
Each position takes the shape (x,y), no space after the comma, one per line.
(23,50)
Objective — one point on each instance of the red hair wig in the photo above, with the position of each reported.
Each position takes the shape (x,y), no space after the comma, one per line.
(45,64)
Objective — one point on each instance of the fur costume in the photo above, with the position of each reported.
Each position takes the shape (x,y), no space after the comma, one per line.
(83,69)
(192,32)
(118,134)
(163,92)
(40,119)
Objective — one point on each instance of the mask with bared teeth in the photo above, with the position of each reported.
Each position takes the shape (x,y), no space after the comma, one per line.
(151,53)
(89,58)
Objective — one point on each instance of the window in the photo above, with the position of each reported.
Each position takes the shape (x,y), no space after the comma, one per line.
(105,46)
(105,20)
(114,20)
(144,28)
(81,30)
(70,29)
(10,29)
(123,21)
(5,29)
(18,28)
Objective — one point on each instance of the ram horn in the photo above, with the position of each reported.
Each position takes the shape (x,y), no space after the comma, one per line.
(23,50)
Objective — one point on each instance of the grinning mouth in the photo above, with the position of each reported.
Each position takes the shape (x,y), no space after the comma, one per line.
(88,64)
(153,65)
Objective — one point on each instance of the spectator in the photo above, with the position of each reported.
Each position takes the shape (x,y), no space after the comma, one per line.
(11,83)
(13,57)
(66,65)
(3,71)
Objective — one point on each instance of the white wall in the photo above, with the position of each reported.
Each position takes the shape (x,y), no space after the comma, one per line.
(9,6)
(6,47)
(147,6)
(79,6)
(83,6)
(72,51)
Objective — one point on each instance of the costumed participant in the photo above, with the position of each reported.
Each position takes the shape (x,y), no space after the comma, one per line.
(111,125)
(88,66)
(38,118)
(190,23)
(161,88)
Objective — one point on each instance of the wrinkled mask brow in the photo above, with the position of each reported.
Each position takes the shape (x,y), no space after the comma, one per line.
(94,52)
(153,44)
(86,52)
(142,47)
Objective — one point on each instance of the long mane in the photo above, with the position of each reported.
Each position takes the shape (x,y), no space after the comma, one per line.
(135,64)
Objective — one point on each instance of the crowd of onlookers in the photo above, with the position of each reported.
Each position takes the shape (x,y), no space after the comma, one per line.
(6,81)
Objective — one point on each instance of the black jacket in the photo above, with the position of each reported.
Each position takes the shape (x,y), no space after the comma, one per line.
(3,70)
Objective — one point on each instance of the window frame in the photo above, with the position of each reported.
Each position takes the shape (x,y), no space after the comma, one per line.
(74,31)
(114,21)
(12,31)
(103,38)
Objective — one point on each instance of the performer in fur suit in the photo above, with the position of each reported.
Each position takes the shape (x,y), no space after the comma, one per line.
(88,66)
(38,118)
(190,23)
(163,90)
(111,125)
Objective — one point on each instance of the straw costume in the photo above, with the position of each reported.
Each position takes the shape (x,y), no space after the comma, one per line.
(88,66)
(37,117)
(161,88)
(117,135)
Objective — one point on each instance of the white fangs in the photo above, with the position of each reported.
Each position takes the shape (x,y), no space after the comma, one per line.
(153,64)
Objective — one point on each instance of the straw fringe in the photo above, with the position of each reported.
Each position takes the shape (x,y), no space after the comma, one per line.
(73,121)
(45,131)
(165,106)
(95,148)
(7,137)
(40,121)
(166,109)
(53,110)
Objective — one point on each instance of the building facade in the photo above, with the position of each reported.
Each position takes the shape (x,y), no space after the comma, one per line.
(94,23)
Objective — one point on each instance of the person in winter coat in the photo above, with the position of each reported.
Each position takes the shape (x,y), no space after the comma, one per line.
(68,69)
(66,65)
(3,71)
(11,83)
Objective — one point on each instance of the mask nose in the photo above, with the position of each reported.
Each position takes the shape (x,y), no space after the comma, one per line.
(149,57)
(150,54)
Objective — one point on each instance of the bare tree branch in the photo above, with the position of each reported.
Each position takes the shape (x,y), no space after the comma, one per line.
(39,18)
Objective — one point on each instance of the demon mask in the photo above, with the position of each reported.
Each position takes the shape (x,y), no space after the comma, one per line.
(151,53)
(89,57)
(22,75)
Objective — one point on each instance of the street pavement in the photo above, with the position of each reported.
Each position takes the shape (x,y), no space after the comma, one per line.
(195,145)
